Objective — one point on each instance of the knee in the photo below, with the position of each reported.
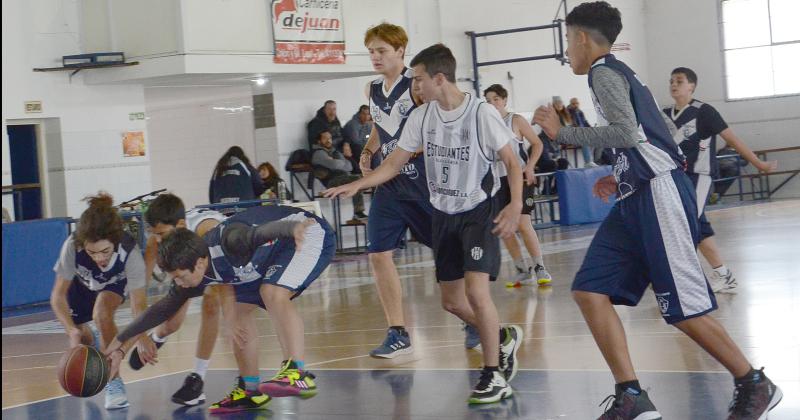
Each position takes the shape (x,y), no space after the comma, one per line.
(584,299)
(381,259)
(102,313)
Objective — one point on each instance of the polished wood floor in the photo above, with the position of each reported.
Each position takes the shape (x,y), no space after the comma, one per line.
(344,319)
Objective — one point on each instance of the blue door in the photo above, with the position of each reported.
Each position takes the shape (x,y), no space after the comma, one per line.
(25,170)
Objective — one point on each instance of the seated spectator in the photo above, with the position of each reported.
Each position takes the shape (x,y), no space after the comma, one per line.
(234,179)
(579,120)
(550,161)
(326,120)
(728,168)
(357,131)
(333,170)
(271,179)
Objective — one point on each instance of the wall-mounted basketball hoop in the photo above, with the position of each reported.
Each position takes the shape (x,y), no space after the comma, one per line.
(557,28)
(79,62)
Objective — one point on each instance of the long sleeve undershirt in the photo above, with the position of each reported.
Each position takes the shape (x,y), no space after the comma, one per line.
(613,93)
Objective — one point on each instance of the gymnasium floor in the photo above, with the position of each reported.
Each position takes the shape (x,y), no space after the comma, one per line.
(563,375)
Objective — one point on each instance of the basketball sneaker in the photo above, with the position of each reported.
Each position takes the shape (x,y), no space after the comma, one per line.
(508,351)
(625,405)
(116,397)
(394,345)
(191,393)
(240,400)
(136,362)
(290,382)
(522,275)
(472,339)
(723,283)
(540,276)
(491,387)
(752,400)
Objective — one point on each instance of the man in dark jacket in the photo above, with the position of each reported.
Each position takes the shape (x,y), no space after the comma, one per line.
(357,130)
(326,120)
(332,169)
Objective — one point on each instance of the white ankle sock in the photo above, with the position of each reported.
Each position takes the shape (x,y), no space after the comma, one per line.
(520,263)
(538,260)
(200,367)
(156,338)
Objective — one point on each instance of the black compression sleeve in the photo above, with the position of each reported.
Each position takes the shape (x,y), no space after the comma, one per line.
(159,311)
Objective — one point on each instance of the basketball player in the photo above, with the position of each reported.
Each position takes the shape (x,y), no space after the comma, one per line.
(98,266)
(695,126)
(402,203)
(497,95)
(163,215)
(651,233)
(462,137)
(264,256)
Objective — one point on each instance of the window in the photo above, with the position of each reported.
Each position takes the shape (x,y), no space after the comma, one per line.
(762,47)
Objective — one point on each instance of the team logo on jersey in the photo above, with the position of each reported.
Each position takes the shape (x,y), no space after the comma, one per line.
(271,271)
(375,110)
(663,302)
(246,273)
(529,201)
(403,105)
(477,253)
(410,170)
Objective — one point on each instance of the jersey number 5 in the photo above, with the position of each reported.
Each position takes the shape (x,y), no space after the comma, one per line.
(445,174)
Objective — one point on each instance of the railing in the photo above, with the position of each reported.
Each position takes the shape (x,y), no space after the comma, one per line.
(760,188)
(16,190)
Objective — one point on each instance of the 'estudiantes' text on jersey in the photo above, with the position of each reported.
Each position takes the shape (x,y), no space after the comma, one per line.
(390,113)
(697,125)
(460,150)
(656,152)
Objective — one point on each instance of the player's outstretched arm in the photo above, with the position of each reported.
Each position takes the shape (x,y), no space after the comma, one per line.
(386,171)
(58,302)
(734,141)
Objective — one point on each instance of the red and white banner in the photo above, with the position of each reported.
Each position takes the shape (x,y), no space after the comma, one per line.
(308,31)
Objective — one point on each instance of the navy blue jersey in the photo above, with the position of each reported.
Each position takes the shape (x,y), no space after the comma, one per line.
(698,125)
(221,270)
(95,278)
(390,114)
(656,153)
(239,182)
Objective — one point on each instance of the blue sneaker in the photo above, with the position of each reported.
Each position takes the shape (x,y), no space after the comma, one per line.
(472,340)
(394,345)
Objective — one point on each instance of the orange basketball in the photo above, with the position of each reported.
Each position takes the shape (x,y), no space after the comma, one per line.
(83,371)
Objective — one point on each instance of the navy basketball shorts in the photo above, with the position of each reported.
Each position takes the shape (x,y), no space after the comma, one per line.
(389,218)
(504,195)
(464,242)
(650,237)
(81,299)
(292,269)
(702,187)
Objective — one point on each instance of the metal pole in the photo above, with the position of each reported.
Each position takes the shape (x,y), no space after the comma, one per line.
(475,82)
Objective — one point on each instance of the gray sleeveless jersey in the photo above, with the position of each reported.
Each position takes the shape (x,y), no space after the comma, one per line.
(518,145)
(460,149)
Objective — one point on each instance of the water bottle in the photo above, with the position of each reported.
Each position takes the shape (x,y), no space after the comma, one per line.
(282,192)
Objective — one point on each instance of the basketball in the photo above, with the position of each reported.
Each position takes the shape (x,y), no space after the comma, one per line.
(83,371)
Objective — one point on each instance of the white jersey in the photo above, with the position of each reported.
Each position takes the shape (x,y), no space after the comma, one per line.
(460,148)
(196,216)
(518,145)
